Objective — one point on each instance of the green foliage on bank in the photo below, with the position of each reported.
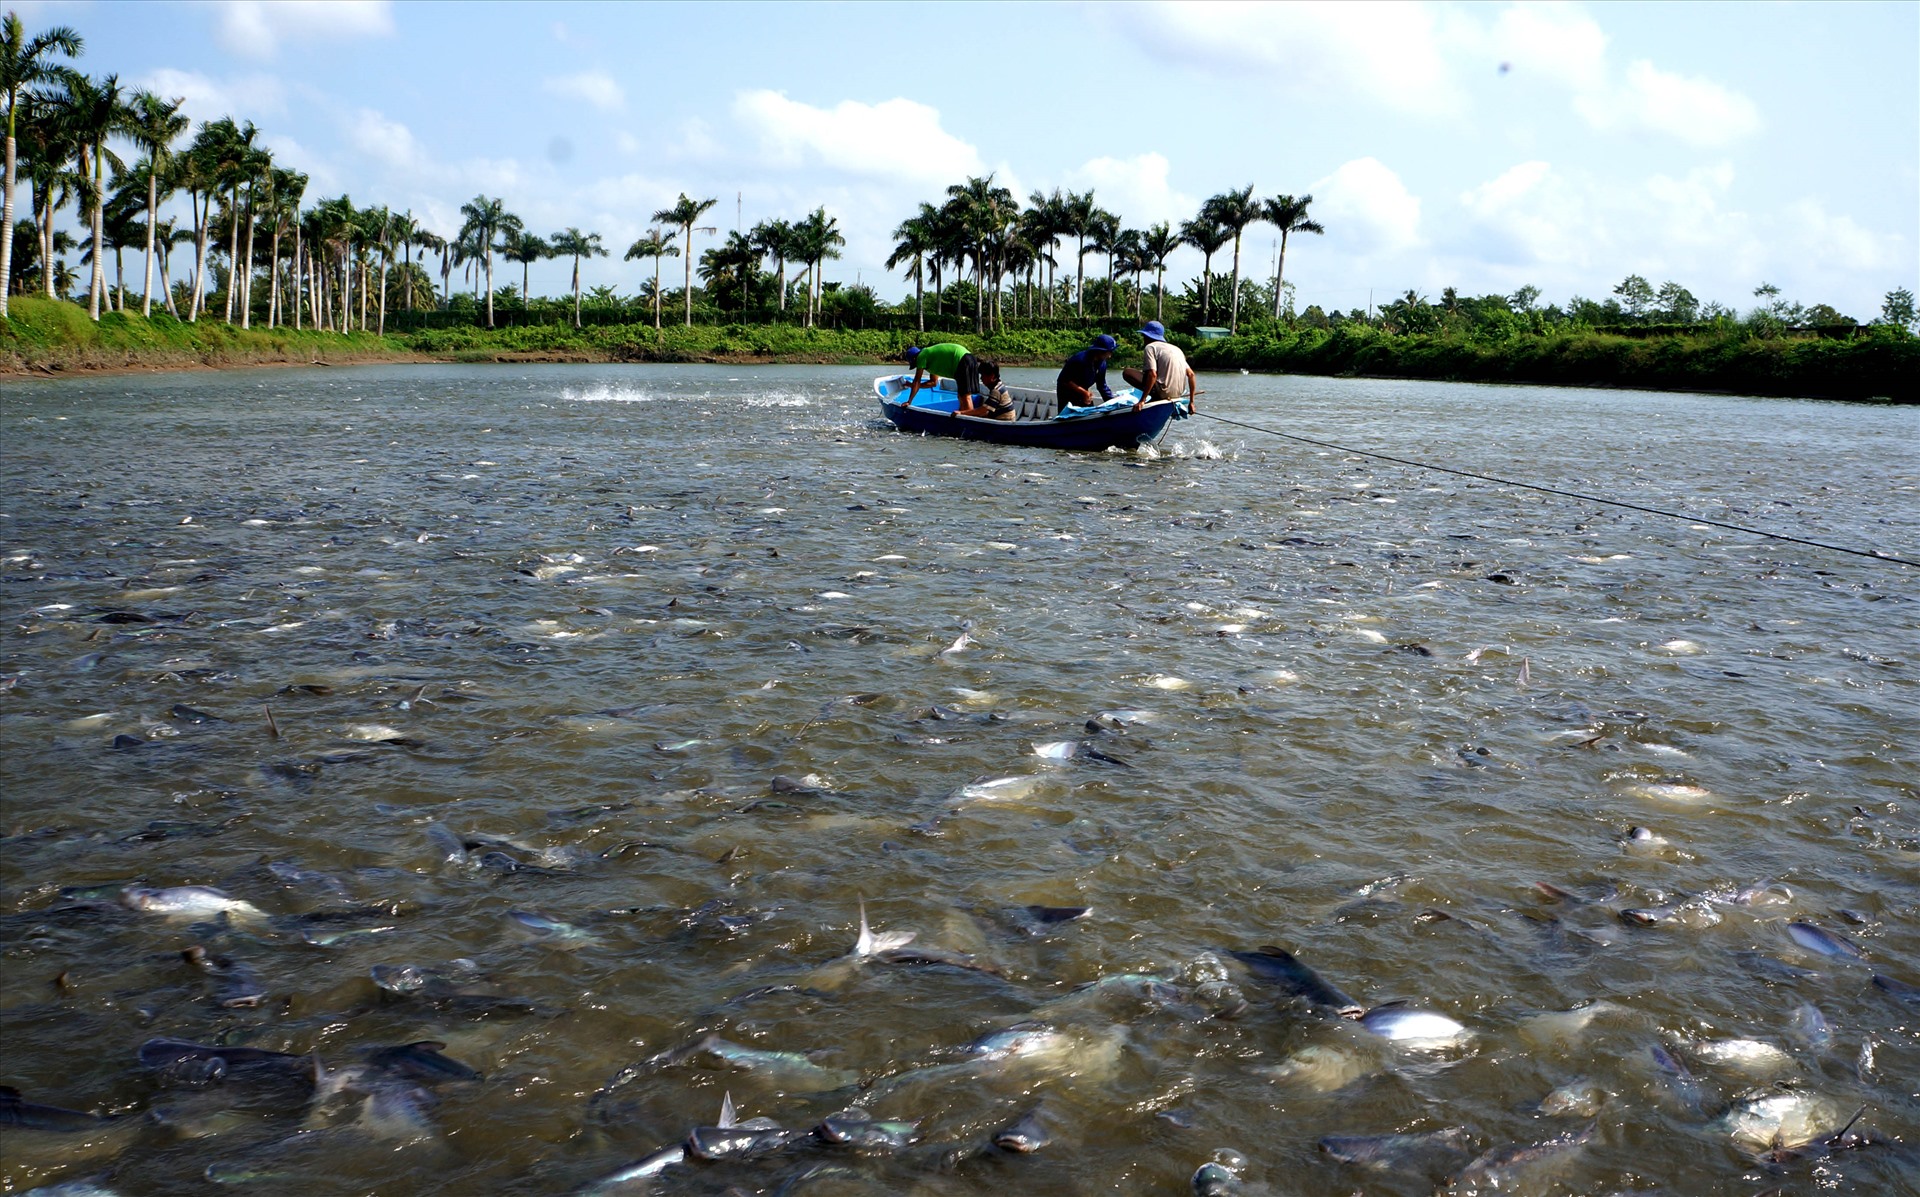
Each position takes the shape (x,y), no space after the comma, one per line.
(54,334)
(1882,364)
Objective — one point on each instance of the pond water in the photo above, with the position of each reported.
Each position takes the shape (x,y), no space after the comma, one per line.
(568,716)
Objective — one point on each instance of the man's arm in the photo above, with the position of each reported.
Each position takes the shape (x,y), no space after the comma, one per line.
(915,388)
(1148,377)
(1106,392)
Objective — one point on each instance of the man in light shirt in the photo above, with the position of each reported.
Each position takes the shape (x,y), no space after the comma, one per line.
(1165,373)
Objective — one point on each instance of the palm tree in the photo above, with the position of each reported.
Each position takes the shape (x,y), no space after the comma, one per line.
(982,211)
(733,261)
(657,245)
(1076,220)
(284,189)
(1158,244)
(1234,210)
(774,239)
(234,165)
(1103,237)
(487,219)
(1207,235)
(51,145)
(24,62)
(525,248)
(820,238)
(197,171)
(157,124)
(575,244)
(1040,227)
(1131,252)
(258,166)
(684,214)
(1289,215)
(914,243)
(97,113)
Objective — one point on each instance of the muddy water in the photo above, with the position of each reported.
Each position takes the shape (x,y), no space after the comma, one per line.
(603,697)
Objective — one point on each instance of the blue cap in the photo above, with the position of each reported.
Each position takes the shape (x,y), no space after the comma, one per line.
(1103,341)
(912,352)
(1154,331)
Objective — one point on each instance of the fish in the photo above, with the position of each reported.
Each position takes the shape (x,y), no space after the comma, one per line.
(420,1062)
(1810,1028)
(1501,1168)
(712,1143)
(1823,942)
(1749,1056)
(1579,1097)
(1213,1179)
(857,1130)
(789,1071)
(16,1111)
(1900,990)
(239,988)
(199,1065)
(629,1179)
(551,929)
(189,714)
(869,944)
(1278,964)
(1417,1152)
(1680,1082)
(1024,1135)
(1413,1027)
(1321,1068)
(192,903)
(1770,1119)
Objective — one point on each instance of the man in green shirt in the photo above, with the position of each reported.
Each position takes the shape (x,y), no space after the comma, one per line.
(946,360)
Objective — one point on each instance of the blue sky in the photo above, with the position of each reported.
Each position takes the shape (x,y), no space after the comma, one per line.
(1482,146)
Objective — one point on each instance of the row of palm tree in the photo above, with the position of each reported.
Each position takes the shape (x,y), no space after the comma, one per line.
(983,226)
(60,123)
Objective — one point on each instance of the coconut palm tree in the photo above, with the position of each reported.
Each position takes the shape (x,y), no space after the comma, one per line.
(257,165)
(684,213)
(1207,235)
(982,211)
(1234,210)
(657,245)
(97,112)
(24,62)
(1289,215)
(157,124)
(1103,237)
(774,239)
(46,132)
(914,243)
(1040,227)
(284,189)
(525,248)
(572,243)
(730,265)
(820,238)
(196,171)
(487,219)
(1158,243)
(1076,220)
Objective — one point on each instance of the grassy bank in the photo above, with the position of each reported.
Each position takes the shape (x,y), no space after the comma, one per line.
(43,336)
(54,336)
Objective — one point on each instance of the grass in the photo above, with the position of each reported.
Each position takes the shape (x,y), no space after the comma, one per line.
(56,335)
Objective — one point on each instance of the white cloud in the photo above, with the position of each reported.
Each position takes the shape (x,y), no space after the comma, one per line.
(243,97)
(384,140)
(1530,216)
(591,87)
(256,28)
(1389,51)
(895,138)
(1138,188)
(1366,206)
(1554,42)
(1697,111)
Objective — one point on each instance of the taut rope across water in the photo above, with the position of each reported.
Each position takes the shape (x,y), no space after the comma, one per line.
(1872,554)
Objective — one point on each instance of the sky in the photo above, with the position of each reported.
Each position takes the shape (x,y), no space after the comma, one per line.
(1480,146)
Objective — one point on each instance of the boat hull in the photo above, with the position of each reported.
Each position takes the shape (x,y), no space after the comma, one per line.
(933,415)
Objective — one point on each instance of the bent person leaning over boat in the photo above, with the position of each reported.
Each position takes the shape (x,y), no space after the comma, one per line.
(1086,372)
(945,360)
(1165,373)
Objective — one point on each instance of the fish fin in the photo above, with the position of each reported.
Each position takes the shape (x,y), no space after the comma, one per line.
(727,1118)
(863,946)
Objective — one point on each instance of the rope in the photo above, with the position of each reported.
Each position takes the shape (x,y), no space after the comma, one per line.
(1872,554)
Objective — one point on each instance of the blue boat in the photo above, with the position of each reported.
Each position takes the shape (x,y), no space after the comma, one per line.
(1038,422)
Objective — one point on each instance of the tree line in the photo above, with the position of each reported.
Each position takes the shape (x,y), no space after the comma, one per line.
(258,247)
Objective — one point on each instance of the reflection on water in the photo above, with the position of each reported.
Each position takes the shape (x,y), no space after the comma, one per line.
(568,718)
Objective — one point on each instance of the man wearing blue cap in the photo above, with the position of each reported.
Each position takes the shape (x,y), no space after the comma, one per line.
(1165,373)
(1085,372)
(946,360)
